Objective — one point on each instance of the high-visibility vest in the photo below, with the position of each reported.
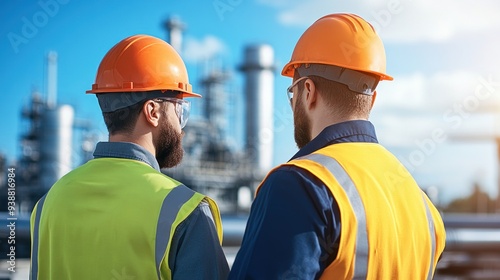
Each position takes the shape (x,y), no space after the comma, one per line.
(389,227)
(111,218)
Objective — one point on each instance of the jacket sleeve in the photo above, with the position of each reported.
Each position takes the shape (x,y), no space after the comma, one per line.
(195,252)
(292,229)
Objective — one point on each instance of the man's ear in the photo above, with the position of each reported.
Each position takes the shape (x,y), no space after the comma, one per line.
(310,93)
(374,96)
(151,112)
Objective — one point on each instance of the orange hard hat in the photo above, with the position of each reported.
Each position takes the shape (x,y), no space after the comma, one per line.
(342,40)
(142,63)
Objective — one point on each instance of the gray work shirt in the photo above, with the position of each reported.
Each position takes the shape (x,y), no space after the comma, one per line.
(195,252)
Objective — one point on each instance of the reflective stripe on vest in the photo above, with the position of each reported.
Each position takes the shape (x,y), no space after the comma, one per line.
(169,210)
(430,220)
(361,262)
(34,254)
(171,205)
(345,181)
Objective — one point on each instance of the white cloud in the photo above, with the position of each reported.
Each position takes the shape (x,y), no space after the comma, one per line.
(400,20)
(422,92)
(412,107)
(204,49)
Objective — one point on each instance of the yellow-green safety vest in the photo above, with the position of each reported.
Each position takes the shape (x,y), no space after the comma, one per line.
(389,227)
(111,218)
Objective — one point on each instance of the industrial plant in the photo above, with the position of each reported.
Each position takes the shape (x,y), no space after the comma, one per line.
(210,165)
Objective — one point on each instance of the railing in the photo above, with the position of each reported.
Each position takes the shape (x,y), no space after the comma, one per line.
(472,245)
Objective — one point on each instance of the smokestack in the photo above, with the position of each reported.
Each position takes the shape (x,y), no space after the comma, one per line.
(56,143)
(51,79)
(259,68)
(174,27)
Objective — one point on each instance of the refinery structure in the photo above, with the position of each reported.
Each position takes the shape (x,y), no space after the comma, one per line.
(210,166)
(46,142)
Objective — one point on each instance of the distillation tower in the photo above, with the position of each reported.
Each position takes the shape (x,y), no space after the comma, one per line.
(210,165)
(47,143)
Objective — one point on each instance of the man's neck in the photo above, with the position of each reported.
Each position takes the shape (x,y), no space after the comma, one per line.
(325,121)
(141,141)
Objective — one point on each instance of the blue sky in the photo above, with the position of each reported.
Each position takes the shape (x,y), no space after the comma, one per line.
(444,58)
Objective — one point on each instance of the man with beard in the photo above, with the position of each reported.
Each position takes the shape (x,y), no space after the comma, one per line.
(118,216)
(343,207)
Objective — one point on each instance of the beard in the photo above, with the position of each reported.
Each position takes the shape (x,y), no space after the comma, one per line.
(168,146)
(302,124)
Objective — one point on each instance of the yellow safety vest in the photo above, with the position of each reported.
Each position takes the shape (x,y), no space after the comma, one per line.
(111,218)
(389,227)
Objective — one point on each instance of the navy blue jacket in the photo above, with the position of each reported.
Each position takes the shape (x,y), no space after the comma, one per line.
(294,223)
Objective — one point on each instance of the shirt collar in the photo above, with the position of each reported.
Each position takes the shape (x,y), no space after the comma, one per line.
(349,131)
(125,150)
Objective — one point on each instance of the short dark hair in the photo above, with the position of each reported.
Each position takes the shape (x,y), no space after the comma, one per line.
(123,120)
(343,101)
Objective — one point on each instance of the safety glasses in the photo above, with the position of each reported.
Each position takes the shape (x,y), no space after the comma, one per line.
(289,90)
(182,108)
